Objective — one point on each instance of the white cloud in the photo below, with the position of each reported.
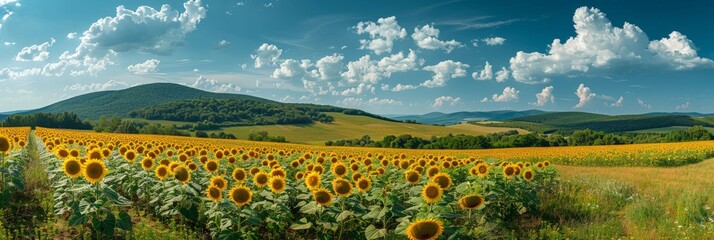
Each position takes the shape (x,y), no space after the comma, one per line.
(617,103)
(72,35)
(444,71)
(600,48)
(383,102)
(149,66)
(544,96)
(223,44)
(492,41)
(93,87)
(36,53)
(584,95)
(502,75)
(682,106)
(440,101)
(509,95)
(401,87)
(266,55)
(288,68)
(9,43)
(365,70)
(484,100)
(330,67)
(359,90)
(643,104)
(485,74)
(382,34)
(214,86)
(5,6)
(427,37)
(375,101)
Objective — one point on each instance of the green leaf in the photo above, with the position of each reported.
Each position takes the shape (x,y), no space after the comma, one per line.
(461,188)
(108,225)
(77,219)
(374,213)
(373,232)
(310,208)
(344,215)
(124,222)
(303,226)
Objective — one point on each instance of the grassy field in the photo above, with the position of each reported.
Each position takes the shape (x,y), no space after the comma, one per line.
(667,129)
(350,127)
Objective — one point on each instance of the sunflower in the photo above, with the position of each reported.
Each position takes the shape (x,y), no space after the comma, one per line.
(241,195)
(425,229)
(471,201)
(509,171)
(95,154)
(4,145)
(260,179)
(62,153)
(161,172)
(94,171)
(299,175)
(312,180)
(322,196)
(72,168)
(277,173)
(482,169)
(211,165)
(147,163)
(364,184)
(182,174)
(528,175)
(546,163)
(431,171)
(219,182)
(443,179)
(342,187)
(340,169)
(412,176)
(239,174)
(130,155)
(277,184)
(254,170)
(431,192)
(214,193)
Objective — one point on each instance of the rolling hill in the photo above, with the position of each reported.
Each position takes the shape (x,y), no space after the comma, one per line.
(570,121)
(458,117)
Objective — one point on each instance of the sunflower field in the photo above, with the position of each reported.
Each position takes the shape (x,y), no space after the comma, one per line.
(228,189)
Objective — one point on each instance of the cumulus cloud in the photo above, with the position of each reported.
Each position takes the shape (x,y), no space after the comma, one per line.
(72,35)
(266,55)
(329,67)
(382,34)
(149,66)
(93,87)
(544,96)
(485,74)
(644,104)
(365,70)
(509,95)
(485,100)
(440,101)
(584,95)
(427,37)
(617,103)
(6,6)
(682,106)
(35,53)
(214,86)
(502,75)
(223,44)
(444,71)
(600,48)
(356,102)
(492,41)
(402,87)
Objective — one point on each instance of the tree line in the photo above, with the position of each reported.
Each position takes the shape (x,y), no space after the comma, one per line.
(67,120)
(512,138)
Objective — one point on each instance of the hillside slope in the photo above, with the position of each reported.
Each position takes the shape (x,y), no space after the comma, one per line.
(457,117)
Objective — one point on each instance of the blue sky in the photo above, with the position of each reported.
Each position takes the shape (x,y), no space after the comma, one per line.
(386,57)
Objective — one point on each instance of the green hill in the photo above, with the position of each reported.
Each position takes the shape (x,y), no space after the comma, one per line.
(570,121)
(458,117)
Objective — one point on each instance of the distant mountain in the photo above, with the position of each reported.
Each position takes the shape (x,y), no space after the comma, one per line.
(122,102)
(457,117)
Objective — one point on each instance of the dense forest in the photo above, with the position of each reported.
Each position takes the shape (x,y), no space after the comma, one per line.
(511,138)
(66,120)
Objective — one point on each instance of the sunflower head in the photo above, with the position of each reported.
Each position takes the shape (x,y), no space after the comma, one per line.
(94,170)
(299,175)
(62,153)
(528,175)
(509,171)
(342,187)
(312,180)
(211,165)
(425,229)
(130,155)
(182,174)
(339,169)
(260,179)
(443,179)
(214,193)
(432,171)
(482,169)
(431,192)
(364,184)
(472,201)
(239,174)
(4,145)
(241,195)
(322,196)
(277,184)
(147,164)
(277,173)
(161,172)
(95,154)
(72,167)
(412,176)
(219,182)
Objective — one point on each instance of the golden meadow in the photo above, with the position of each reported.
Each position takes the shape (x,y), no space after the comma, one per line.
(253,190)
